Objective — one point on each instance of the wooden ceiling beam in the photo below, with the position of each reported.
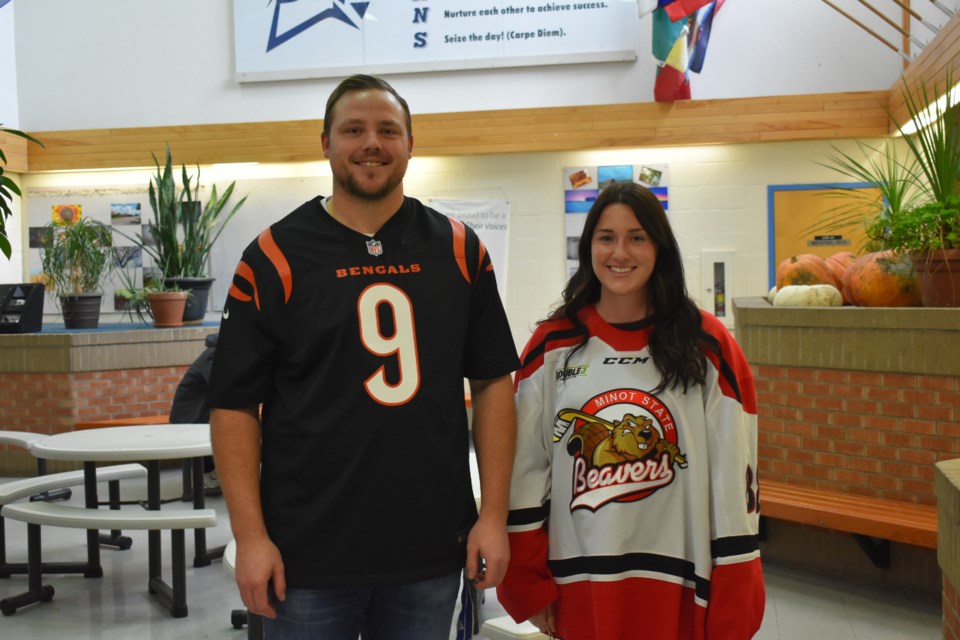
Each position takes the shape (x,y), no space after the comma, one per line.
(694,122)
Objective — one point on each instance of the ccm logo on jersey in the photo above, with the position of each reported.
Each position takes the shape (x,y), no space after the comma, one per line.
(378,270)
(621,360)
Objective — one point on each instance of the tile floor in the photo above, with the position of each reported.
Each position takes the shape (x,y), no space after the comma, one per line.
(118,607)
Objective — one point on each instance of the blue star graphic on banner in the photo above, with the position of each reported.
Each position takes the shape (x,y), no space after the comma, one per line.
(338,11)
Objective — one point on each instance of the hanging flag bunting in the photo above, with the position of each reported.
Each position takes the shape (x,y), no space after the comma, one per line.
(681,32)
(701,34)
(678,9)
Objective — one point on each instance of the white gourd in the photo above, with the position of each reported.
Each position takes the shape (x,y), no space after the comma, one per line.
(808,295)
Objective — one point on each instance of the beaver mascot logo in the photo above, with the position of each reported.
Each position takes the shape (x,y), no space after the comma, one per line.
(624,444)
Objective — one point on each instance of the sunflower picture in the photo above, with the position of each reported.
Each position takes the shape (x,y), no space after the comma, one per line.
(67,214)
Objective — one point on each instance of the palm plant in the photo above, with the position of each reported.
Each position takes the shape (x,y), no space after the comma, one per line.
(8,188)
(919,195)
(184,231)
(892,190)
(77,257)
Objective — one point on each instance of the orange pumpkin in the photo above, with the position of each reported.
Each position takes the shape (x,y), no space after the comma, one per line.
(882,279)
(839,263)
(805,268)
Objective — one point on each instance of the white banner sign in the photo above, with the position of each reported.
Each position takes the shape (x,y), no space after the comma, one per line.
(289,39)
(490,220)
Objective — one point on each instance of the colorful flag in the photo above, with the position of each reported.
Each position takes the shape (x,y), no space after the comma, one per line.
(680,44)
(678,9)
(671,85)
(666,34)
(701,34)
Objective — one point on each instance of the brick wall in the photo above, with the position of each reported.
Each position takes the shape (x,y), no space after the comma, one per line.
(870,433)
(54,402)
(49,381)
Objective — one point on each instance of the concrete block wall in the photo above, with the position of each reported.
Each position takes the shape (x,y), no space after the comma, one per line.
(947,486)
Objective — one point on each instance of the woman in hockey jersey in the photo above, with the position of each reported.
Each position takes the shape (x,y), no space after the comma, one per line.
(633,510)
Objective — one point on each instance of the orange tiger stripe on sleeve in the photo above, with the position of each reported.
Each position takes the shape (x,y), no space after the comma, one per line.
(460,246)
(279,261)
(245,272)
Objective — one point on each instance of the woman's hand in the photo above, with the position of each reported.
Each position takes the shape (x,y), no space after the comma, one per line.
(544,621)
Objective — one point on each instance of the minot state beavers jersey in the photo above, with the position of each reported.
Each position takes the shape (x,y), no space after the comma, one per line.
(637,511)
(358,348)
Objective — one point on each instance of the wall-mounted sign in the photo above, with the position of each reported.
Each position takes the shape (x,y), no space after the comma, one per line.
(283,40)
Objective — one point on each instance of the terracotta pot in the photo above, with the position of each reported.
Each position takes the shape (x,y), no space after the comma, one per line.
(167,307)
(939,276)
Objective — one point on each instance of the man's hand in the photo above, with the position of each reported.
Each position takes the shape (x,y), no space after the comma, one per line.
(259,563)
(488,543)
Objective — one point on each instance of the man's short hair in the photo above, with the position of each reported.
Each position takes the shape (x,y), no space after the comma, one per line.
(361,82)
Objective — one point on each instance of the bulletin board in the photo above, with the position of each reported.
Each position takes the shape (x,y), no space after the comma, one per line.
(793,209)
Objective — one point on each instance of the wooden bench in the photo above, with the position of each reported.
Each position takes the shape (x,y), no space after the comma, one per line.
(36,514)
(873,522)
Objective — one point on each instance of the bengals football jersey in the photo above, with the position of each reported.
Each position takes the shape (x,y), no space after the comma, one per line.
(357,347)
(635,513)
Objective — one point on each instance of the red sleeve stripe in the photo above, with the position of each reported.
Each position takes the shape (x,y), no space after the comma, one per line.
(278,260)
(460,246)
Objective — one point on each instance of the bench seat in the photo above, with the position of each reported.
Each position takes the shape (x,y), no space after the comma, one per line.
(36,514)
(57,515)
(19,489)
(57,485)
(873,521)
(505,628)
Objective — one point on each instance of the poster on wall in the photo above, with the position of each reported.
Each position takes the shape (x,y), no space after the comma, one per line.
(582,185)
(490,220)
(285,40)
(117,207)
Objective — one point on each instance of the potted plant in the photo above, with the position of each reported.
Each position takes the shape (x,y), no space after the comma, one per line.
(918,211)
(8,188)
(77,257)
(166,305)
(185,231)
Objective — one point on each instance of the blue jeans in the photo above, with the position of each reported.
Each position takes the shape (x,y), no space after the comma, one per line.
(413,611)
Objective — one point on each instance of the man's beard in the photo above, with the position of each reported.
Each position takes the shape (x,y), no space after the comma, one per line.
(352,186)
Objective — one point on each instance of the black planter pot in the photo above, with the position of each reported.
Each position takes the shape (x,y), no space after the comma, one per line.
(81,310)
(199,289)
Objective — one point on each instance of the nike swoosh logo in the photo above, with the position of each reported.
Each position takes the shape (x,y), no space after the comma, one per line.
(226,313)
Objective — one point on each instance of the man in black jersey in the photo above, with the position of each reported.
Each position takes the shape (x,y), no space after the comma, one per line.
(339,426)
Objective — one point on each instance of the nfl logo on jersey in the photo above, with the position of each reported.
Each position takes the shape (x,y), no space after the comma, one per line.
(374,247)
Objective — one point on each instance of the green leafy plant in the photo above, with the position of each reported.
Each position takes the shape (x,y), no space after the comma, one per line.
(138,298)
(892,190)
(929,227)
(936,145)
(77,257)
(8,188)
(184,231)
(916,211)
